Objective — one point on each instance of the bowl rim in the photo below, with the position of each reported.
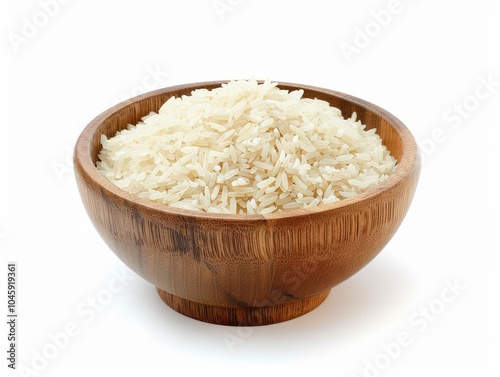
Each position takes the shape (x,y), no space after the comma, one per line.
(82,158)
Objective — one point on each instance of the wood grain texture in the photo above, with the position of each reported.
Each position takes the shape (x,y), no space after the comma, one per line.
(246,269)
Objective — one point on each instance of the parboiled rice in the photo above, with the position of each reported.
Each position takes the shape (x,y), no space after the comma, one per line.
(245,148)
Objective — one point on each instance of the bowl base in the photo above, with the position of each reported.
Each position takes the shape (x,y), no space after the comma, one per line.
(243,316)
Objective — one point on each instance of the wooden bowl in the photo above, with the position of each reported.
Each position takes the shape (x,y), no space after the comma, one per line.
(246,269)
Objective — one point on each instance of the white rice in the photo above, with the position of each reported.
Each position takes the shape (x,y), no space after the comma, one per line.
(245,148)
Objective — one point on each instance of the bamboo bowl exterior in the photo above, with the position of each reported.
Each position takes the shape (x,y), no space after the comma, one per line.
(246,269)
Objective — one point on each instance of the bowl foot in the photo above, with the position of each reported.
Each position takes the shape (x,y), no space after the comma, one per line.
(243,316)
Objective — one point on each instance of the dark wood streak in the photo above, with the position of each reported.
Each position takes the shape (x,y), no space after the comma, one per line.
(234,301)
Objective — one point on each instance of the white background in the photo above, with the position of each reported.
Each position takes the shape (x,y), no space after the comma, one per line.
(87,55)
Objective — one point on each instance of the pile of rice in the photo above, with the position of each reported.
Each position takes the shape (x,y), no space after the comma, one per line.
(245,148)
